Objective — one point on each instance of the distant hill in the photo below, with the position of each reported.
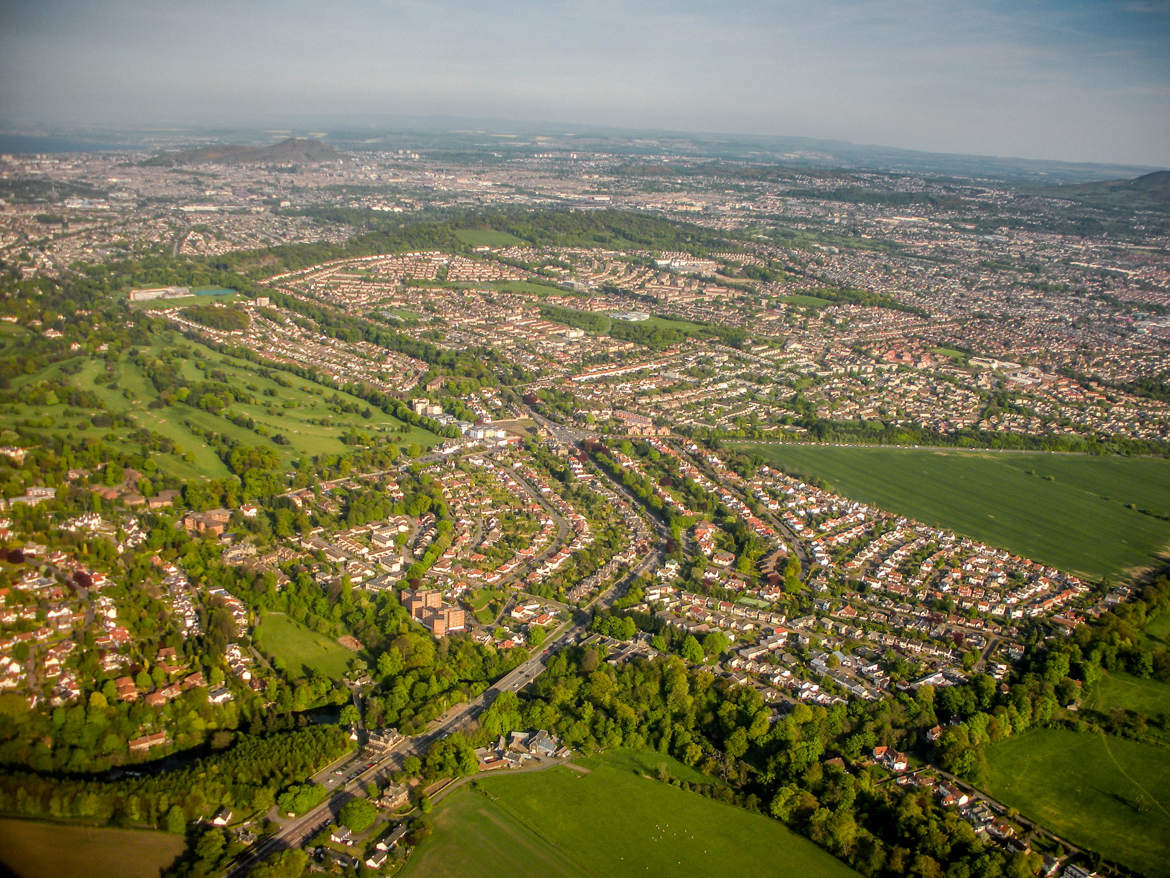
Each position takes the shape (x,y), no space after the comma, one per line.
(1148,192)
(293,150)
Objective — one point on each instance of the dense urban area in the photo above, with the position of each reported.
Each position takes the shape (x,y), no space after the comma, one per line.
(567,505)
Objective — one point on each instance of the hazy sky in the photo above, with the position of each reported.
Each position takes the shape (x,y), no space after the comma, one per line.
(1034,78)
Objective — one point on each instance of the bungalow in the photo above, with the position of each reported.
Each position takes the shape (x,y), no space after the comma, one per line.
(377,859)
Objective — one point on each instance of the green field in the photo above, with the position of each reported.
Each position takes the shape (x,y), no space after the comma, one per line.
(524,286)
(1158,631)
(1068,510)
(196,298)
(32,850)
(309,415)
(1108,794)
(670,323)
(280,637)
(1120,690)
(807,301)
(609,822)
(486,238)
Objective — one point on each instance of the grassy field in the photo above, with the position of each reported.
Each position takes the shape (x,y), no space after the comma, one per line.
(309,415)
(1158,631)
(1070,511)
(280,637)
(1125,691)
(199,298)
(806,301)
(486,238)
(1109,794)
(31,850)
(609,822)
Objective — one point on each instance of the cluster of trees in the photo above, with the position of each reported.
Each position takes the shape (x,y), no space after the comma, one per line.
(245,777)
(300,797)
(651,334)
(1060,673)
(226,318)
(778,767)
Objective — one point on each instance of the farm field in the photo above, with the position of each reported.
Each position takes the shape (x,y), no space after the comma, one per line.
(311,417)
(608,822)
(280,637)
(31,849)
(1080,513)
(1107,793)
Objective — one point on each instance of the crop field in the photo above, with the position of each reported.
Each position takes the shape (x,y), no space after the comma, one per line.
(1093,516)
(31,849)
(607,822)
(310,416)
(1107,793)
(280,637)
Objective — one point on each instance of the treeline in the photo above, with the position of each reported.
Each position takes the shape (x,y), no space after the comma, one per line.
(245,777)
(868,298)
(874,432)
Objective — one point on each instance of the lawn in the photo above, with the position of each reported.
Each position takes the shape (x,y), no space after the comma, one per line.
(1106,793)
(1069,510)
(609,822)
(486,238)
(280,637)
(526,286)
(1125,691)
(31,849)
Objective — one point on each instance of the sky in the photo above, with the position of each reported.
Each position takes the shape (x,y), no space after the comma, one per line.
(1075,81)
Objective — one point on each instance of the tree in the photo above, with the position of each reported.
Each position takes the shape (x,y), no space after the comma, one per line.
(691,651)
(792,583)
(357,814)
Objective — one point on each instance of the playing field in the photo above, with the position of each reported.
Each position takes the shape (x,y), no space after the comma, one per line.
(1081,513)
(280,637)
(609,822)
(32,850)
(1107,793)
